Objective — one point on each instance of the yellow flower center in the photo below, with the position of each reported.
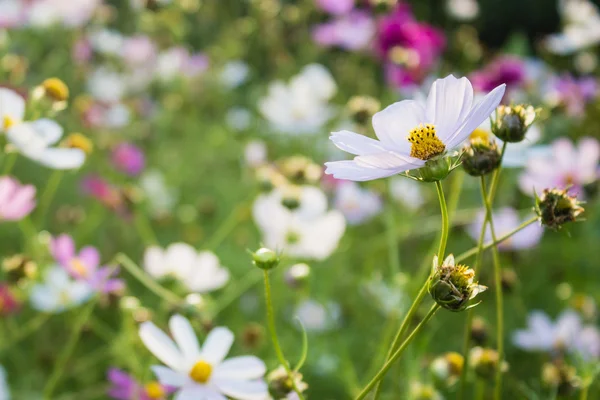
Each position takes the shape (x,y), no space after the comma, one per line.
(79,267)
(480,134)
(56,89)
(201,372)
(7,122)
(154,390)
(79,141)
(425,143)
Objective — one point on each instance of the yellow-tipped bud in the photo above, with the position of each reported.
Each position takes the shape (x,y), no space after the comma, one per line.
(56,89)
(79,141)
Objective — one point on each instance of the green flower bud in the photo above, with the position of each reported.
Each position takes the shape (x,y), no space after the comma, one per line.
(452,286)
(481,157)
(555,208)
(512,122)
(280,384)
(436,169)
(485,362)
(265,259)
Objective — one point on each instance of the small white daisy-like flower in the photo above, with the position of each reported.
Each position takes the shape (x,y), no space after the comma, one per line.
(199,271)
(35,140)
(59,292)
(201,372)
(12,109)
(412,133)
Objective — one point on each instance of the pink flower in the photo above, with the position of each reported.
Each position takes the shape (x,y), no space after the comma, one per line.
(195,65)
(138,50)
(506,220)
(565,166)
(8,302)
(125,387)
(353,31)
(128,158)
(16,200)
(572,93)
(82,51)
(85,265)
(505,69)
(336,7)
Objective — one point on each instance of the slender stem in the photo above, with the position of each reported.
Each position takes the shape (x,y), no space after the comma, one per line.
(445,222)
(273,332)
(499,299)
(48,195)
(147,281)
(67,351)
(584,392)
(381,374)
(9,163)
(473,251)
(144,228)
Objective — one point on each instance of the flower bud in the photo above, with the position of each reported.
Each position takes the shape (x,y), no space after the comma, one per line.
(436,169)
(447,368)
(509,279)
(297,275)
(56,89)
(362,108)
(555,208)
(421,391)
(452,286)
(481,156)
(78,141)
(512,122)
(300,170)
(265,259)
(19,267)
(485,362)
(561,378)
(479,332)
(252,335)
(280,384)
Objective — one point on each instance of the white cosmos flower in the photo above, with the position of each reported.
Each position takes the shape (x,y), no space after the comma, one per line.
(201,372)
(4,392)
(35,140)
(300,107)
(59,292)
(12,108)
(310,231)
(581,30)
(413,132)
(199,271)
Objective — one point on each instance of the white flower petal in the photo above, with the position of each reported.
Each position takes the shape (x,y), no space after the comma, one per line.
(197,392)
(243,390)
(12,105)
(389,160)
(448,103)
(352,171)
(50,131)
(167,376)
(161,346)
(58,158)
(244,367)
(185,337)
(217,345)
(393,124)
(356,144)
(154,262)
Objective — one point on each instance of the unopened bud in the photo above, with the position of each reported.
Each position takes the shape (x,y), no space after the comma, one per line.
(485,362)
(452,286)
(512,122)
(555,208)
(56,89)
(297,275)
(561,378)
(447,368)
(362,108)
(481,157)
(19,267)
(281,385)
(79,141)
(479,331)
(265,259)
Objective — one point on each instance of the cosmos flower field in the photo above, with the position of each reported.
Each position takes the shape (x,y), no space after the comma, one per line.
(312,199)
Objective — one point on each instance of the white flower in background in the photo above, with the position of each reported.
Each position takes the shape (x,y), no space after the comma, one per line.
(35,139)
(408,192)
(255,153)
(238,118)
(199,271)
(44,13)
(544,335)
(58,292)
(463,10)
(411,132)
(201,372)
(12,109)
(581,27)
(310,231)
(161,198)
(316,317)
(106,85)
(302,106)
(234,73)
(107,42)
(357,204)
(587,343)
(505,221)
(117,116)
(12,14)
(4,391)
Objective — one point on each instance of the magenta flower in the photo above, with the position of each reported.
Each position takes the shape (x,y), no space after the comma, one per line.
(128,158)
(125,387)
(505,69)
(85,265)
(353,31)
(16,200)
(564,167)
(8,302)
(336,7)
(505,221)
(572,93)
(410,48)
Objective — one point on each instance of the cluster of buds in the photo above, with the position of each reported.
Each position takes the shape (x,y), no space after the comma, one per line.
(447,368)
(481,156)
(555,208)
(452,286)
(561,378)
(512,122)
(281,385)
(485,362)
(362,108)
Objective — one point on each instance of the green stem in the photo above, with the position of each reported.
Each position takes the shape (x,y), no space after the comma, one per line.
(584,392)
(274,338)
(9,163)
(445,222)
(48,195)
(67,351)
(473,251)
(381,374)
(144,228)
(499,299)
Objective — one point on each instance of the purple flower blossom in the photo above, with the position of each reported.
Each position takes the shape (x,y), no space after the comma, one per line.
(85,265)
(506,220)
(505,69)
(572,93)
(128,158)
(16,200)
(353,31)
(125,387)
